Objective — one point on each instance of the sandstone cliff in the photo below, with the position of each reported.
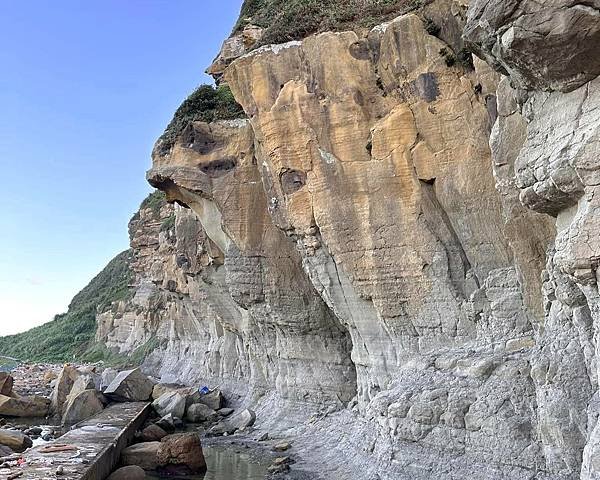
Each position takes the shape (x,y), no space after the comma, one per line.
(392,250)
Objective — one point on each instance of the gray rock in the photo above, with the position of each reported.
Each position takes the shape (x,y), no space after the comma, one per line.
(541,45)
(200,412)
(167,423)
(16,441)
(170,403)
(213,399)
(153,433)
(241,420)
(83,406)
(130,386)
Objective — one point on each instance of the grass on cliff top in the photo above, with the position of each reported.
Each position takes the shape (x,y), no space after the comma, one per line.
(286,20)
(71,334)
(206,104)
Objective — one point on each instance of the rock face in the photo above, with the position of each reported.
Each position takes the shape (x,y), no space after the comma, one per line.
(399,237)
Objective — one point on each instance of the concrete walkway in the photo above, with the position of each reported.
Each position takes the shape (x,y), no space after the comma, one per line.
(89,451)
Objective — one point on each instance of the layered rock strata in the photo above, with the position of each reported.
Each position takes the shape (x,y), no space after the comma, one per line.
(398,232)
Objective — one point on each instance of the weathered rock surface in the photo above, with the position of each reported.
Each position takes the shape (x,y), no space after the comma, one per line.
(64,383)
(398,244)
(170,403)
(15,440)
(540,45)
(184,449)
(6,384)
(153,433)
(130,386)
(199,412)
(82,405)
(33,406)
(143,455)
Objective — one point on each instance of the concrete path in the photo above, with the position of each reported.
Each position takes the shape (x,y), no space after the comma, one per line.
(89,451)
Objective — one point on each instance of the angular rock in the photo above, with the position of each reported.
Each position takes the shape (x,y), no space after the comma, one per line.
(200,412)
(108,375)
(170,403)
(213,399)
(62,388)
(16,441)
(183,449)
(131,472)
(34,406)
(130,386)
(82,406)
(143,455)
(240,420)
(167,423)
(153,433)
(6,384)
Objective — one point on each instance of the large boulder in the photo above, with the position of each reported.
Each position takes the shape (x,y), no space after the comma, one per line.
(130,386)
(6,384)
(183,450)
(107,377)
(144,455)
(170,403)
(214,399)
(62,388)
(16,441)
(191,394)
(242,419)
(82,406)
(132,472)
(199,412)
(34,406)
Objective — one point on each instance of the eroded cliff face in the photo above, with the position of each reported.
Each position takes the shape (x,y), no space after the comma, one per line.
(397,233)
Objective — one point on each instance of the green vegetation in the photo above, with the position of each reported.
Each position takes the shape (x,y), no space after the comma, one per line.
(155,201)
(168,223)
(69,336)
(285,20)
(205,104)
(99,353)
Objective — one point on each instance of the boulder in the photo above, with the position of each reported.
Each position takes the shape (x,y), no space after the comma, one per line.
(6,384)
(199,412)
(214,399)
(14,440)
(49,376)
(143,455)
(108,375)
(184,449)
(153,433)
(82,383)
(34,406)
(5,451)
(225,412)
(240,420)
(191,394)
(130,386)
(62,388)
(82,406)
(167,423)
(132,472)
(170,403)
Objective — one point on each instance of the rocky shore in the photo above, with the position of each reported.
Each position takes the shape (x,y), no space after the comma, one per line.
(38,403)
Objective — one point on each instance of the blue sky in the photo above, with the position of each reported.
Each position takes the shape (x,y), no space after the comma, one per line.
(85,89)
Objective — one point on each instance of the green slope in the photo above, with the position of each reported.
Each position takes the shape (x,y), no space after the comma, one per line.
(70,334)
(285,20)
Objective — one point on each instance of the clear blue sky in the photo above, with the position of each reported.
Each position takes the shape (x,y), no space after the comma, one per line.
(85,89)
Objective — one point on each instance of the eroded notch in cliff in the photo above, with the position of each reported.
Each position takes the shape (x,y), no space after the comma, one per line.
(438,221)
(218,168)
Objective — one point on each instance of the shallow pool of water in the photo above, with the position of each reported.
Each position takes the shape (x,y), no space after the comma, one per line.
(228,463)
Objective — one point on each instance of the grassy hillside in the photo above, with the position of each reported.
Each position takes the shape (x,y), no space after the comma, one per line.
(286,20)
(70,335)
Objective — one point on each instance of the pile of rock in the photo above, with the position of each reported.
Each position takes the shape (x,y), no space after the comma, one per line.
(14,405)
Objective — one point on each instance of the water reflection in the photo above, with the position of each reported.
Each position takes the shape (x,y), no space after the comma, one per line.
(228,463)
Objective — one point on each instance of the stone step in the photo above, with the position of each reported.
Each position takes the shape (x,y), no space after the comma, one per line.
(89,451)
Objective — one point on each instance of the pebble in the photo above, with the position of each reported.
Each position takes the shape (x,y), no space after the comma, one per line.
(282,447)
